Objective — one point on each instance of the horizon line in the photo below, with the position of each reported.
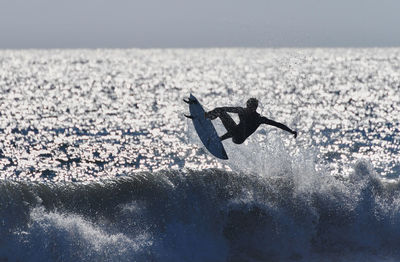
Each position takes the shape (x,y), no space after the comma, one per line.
(201,47)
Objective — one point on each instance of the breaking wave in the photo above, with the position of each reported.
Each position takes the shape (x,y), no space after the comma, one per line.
(208,215)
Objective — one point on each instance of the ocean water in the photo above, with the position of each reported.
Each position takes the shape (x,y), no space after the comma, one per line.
(98,162)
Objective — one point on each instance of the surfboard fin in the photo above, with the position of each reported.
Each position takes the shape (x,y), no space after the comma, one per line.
(190,101)
(191,117)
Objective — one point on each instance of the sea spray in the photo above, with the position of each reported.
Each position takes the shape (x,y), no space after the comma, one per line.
(203,215)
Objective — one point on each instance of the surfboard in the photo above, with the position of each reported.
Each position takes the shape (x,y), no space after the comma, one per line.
(205,129)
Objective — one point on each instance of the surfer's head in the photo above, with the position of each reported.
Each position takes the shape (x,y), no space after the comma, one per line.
(252,104)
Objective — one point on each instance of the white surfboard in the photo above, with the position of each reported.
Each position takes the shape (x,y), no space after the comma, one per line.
(205,129)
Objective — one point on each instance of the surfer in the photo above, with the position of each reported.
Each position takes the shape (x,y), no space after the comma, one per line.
(249,119)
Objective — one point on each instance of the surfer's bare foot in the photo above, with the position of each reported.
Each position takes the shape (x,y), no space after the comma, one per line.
(210,115)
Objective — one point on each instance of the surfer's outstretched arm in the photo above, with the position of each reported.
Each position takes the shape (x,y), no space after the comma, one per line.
(270,122)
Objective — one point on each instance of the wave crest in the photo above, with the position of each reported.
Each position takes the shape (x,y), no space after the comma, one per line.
(202,216)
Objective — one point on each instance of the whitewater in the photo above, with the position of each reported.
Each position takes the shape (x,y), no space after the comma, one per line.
(98,162)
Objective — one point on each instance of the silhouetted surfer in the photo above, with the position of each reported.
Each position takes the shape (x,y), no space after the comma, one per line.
(250,120)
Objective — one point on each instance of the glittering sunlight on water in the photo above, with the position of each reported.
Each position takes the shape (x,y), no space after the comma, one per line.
(87,114)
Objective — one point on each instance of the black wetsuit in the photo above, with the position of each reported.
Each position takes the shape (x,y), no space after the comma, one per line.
(249,122)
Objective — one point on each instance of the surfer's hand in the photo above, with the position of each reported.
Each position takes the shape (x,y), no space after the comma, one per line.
(294,133)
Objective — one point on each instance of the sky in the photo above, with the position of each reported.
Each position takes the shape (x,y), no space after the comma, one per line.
(200,23)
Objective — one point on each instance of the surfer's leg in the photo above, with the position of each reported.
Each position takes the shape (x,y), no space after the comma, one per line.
(229,124)
(227,121)
(226,136)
